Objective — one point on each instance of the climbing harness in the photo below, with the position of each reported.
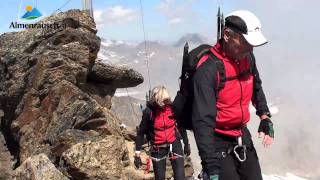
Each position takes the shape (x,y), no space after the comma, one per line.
(171,155)
(237,149)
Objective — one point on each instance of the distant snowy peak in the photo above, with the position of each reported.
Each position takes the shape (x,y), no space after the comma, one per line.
(112,43)
(109,57)
(151,45)
(107,43)
(143,54)
(123,92)
(191,38)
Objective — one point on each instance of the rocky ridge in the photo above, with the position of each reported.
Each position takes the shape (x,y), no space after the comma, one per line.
(55,102)
(55,106)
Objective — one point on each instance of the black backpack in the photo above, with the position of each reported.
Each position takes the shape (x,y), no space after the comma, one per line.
(182,104)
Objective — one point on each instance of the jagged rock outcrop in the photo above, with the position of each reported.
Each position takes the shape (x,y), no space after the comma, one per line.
(6,163)
(56,100)
(92,159)
(38,167)
(117,77)
(105,79)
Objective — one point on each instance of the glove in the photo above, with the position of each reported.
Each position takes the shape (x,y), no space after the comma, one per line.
(266,126)
(137,162)
(214,177)
(204,176)
(187,150)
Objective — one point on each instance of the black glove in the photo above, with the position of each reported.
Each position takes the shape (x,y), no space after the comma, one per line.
(266,126)
(187,150)
(137,162)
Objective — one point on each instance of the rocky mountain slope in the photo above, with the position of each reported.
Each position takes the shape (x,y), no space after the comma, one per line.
(59,119)
(56,100)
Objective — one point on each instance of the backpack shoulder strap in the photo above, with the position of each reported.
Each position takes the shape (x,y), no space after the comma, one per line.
(149,112)
(203,52)
(221,74)
(150,115)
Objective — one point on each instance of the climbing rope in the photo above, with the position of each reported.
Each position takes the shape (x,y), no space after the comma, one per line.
(146,57)
(134,112)
(145,43)
(62,6)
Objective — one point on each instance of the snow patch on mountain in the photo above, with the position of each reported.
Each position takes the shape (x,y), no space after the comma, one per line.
(123,92)
(140,53)
(106,43)
(113,43)
(151,54)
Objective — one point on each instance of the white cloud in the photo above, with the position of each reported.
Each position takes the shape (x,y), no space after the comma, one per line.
(116,15)
(175,21)
(98,17)
(177,11)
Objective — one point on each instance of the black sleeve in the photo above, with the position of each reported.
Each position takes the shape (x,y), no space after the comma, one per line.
(258,98)
(143,127)
(204,115)
(184,135)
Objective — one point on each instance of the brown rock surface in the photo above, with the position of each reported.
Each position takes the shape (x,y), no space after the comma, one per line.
(53,97)
(38,167)
(55,105)
(118,77)
(97,160)
(6,164)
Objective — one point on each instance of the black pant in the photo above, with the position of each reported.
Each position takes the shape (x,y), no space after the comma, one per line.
(159,167)
(230,167)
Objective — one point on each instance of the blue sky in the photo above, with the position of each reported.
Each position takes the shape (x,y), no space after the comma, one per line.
(284,21)
(165,20)
(290,26)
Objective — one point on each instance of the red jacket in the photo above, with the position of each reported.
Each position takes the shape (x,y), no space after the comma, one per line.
(233,100)
(158,124)
(225,111)
(164,126)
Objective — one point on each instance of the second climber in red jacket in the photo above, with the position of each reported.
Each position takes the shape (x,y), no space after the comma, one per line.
(159,125)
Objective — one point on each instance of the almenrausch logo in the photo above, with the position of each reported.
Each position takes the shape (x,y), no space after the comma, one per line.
(30,20)
(32,13)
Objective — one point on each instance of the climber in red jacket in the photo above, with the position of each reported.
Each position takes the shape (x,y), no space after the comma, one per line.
(159,125)
(220,117)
